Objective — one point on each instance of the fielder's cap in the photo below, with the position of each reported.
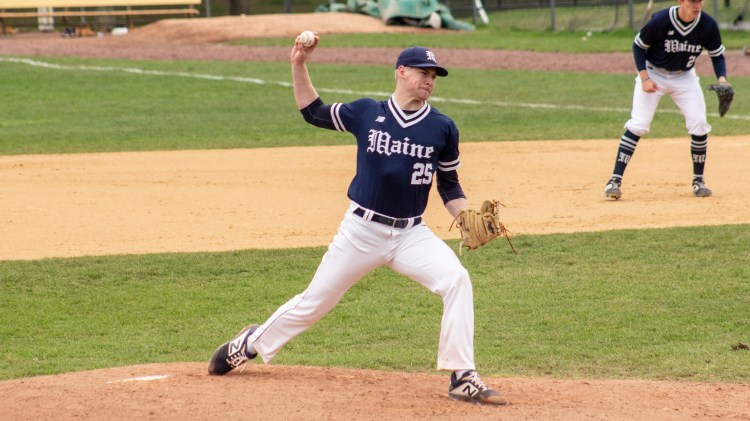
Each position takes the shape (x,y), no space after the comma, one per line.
(420,57)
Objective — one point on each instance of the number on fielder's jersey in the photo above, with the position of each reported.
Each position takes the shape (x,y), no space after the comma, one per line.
(422,174)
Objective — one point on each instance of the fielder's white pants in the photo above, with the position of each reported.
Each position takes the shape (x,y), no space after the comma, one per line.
(686,92)
(361,246)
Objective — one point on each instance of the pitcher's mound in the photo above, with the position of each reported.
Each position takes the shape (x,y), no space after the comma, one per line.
(267,392)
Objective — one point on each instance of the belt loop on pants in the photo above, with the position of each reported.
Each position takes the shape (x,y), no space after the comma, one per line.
(400,223)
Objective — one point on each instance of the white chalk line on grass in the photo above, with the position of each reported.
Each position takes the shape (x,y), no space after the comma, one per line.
(256,81)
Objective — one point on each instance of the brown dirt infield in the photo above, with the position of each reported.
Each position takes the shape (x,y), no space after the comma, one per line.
(99,204)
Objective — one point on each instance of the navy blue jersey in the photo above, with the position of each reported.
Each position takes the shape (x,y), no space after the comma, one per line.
(674,45)
(398,153)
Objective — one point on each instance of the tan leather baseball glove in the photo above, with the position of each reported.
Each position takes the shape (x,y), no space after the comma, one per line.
(480,227)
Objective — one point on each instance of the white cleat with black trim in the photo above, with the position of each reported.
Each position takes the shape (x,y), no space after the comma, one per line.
(470,388)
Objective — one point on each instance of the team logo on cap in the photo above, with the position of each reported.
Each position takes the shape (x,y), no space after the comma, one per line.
(431,56)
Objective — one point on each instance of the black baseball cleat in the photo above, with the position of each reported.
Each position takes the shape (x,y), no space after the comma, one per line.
(232,354)
(470,388)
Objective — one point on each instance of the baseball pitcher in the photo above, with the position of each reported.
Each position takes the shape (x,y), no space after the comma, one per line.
(403,146)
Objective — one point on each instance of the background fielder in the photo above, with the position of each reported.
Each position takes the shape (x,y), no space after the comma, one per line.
(403,145)
(665,51)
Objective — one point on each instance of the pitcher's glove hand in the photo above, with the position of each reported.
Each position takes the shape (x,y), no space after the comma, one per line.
(726,95)
(480,227)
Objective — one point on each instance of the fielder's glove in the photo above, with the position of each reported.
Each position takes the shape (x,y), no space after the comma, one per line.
(725,94)
(480,227)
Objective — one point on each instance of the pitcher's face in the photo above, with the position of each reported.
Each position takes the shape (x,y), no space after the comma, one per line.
(419,81)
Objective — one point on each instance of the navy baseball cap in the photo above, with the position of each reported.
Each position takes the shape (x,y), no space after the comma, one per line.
(420,57)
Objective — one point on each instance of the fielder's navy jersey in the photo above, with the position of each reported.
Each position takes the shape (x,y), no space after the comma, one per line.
(674,45)
(398,153)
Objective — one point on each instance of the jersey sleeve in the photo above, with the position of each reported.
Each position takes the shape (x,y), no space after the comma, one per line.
(448,185)
(647,35)
(652,30)
(715,49)
(337,116)
(639,55)
(642,43)
(713,44)
(318,114)
(449,157)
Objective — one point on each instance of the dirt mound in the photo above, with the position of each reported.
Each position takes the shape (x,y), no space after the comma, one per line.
(259,26)
(184,391)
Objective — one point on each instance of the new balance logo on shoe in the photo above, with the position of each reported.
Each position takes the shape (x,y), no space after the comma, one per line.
(470,388)
(237,345)
(232,354)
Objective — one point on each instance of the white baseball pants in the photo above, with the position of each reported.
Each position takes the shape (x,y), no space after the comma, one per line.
(359,247)
(686,92)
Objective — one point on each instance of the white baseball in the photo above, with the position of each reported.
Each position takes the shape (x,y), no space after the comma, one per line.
(307,38)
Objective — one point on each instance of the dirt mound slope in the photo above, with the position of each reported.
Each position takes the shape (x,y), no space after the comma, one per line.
(184,391)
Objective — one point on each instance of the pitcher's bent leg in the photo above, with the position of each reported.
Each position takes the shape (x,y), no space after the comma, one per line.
(428,260)
(354,252)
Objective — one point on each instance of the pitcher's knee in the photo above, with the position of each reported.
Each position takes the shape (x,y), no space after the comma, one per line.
(455,279)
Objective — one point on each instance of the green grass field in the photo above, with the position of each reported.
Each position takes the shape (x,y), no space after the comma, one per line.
(646,304)
(649,304)
(64,105)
